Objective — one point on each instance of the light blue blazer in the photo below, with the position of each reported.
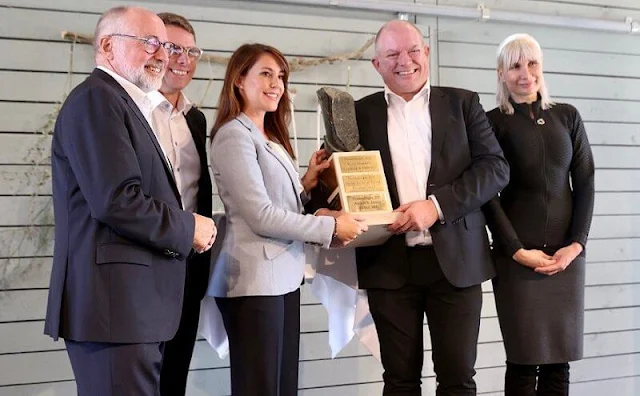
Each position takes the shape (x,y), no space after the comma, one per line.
(262,252)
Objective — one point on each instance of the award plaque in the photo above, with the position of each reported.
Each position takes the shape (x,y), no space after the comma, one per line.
(355,180)
(355,183)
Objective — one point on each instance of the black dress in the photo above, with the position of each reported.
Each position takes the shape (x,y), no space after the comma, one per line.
(547,205)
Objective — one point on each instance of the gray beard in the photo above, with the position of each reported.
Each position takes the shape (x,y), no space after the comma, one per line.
(142,80)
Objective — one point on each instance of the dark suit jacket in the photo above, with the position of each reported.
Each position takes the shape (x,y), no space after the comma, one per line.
(121,238)
(199,264)
(467,169)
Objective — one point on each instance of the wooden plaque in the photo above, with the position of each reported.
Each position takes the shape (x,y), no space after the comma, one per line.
(355,183)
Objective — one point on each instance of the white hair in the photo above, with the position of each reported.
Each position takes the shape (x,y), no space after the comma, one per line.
(512,50)
(109,23)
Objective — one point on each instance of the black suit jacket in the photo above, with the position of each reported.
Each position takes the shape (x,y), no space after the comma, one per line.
(121,238)
(467,169)
(199,264)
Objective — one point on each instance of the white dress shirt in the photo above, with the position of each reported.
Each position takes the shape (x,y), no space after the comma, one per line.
(409,135)
(146,101)
(174,135)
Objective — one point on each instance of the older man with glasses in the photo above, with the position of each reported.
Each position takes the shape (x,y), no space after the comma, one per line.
(122,233)
(182,130)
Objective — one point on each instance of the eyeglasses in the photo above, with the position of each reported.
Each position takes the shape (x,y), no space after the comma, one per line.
(194,53)
(152,44)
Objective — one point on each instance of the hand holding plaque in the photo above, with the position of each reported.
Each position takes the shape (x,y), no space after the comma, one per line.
(355,180)
(348,228)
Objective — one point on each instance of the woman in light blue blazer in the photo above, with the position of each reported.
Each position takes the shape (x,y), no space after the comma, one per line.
(256,278)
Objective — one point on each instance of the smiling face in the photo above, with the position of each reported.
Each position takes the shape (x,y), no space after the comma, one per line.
(522,79)
(262,87)
(181,68)
(128,58)
(402,58)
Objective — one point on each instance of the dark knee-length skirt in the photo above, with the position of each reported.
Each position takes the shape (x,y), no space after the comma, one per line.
(541,317)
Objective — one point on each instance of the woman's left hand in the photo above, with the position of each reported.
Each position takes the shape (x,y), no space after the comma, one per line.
(564,257)
(317,164)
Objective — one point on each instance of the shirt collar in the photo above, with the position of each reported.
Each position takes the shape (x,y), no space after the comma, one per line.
(146,101)
(425,92)
(156,99)
(183,105)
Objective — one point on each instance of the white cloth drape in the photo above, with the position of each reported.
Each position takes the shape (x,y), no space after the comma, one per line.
(331,275)
(334,282)
(212,328)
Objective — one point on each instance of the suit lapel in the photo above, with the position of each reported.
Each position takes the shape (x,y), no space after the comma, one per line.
(440,123)
(377,138)
(152,136)
(287,164)
(198,133)
(135,110)
(198,138)
(198,128)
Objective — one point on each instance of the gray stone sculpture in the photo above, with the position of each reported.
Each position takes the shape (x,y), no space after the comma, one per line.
(339,113)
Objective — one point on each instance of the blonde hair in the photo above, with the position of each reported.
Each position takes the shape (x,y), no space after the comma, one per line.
(512,50)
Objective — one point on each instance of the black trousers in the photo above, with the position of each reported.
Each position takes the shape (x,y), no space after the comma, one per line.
(453,316)
(107,369)
(264,343)
(178,351)
(542,380)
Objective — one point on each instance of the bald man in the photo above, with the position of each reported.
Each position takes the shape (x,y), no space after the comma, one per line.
(121,234)
(442,163)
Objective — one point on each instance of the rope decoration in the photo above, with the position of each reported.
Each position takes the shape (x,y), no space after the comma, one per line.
(296,64)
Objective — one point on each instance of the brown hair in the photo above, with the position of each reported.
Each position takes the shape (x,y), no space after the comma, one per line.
(176,20)
(231,103)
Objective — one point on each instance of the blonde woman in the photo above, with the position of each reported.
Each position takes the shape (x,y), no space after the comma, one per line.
(540,224)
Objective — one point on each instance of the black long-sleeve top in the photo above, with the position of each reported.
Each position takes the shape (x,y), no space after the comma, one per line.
(548,202)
